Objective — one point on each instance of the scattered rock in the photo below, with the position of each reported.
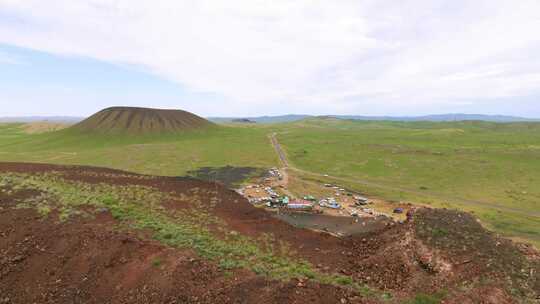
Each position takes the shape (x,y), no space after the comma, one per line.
(17,259)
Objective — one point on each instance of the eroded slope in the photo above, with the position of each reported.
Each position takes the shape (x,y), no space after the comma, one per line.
(94,235)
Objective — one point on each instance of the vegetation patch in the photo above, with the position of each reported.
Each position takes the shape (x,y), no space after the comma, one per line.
(427,299)
(157,262)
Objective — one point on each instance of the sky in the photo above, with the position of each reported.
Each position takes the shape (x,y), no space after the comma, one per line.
(254,57)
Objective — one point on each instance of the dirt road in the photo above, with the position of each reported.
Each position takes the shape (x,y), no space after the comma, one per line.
(279,151)
(283,183)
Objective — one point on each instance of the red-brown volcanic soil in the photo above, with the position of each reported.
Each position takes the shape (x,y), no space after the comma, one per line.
(89,260)
(134,120)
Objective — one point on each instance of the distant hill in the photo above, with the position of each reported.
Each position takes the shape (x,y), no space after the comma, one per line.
(442,117)
(438,117)
(243,120)
(262,119)
(133,120)
(51,119)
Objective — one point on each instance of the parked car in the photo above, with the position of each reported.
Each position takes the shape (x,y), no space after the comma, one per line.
(361,203)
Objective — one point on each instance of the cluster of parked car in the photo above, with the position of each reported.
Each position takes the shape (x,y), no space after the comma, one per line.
(329,202)
(275,172)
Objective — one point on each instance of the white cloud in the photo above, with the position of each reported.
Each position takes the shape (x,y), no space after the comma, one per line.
(316,55)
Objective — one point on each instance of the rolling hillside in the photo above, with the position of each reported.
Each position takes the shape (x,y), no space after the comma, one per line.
(433,118)
(488,168)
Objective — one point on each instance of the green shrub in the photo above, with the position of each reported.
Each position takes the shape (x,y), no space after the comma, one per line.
(157,262)
(427,299)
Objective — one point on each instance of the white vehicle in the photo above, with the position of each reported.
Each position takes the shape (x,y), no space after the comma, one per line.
(367,210)
(360,198)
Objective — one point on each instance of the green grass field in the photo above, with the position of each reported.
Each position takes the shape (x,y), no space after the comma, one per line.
(488,168)
(171,155)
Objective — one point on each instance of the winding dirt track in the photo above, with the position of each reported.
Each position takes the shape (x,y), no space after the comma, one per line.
(284,182)
(287,165)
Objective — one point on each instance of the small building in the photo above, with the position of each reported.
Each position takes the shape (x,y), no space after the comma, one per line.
(300,205)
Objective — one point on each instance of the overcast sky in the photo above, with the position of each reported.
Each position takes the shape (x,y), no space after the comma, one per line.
(239,58)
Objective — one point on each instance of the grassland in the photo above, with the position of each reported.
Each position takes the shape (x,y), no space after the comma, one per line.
(169,154)
(44,127)
(490,169)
